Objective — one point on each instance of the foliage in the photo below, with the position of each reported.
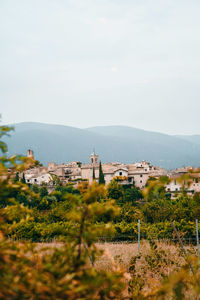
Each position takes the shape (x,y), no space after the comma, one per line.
(16,178)
(115,191)
(78,217)
(132,195)
(23,180)
(180,283)
(93,173)
(27,272)
(101,175)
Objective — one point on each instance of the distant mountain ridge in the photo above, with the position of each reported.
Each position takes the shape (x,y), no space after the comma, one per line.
(61,143)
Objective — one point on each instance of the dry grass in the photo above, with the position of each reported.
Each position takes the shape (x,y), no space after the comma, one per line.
(117,256)
(122,253)
(168,259)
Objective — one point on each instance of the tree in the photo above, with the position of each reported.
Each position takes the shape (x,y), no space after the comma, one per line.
(132,195)
(38,163)
(35,188)
(93,175)
(16,178)
(43,192)
(101,175)
(8,169)
(22,198)
(115,191)
(23,180)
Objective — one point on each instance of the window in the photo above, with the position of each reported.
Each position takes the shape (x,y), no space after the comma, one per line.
(92,160)
(141,175)
(96,160)
(120,173)
(140,181)
(28,180)
(35,180)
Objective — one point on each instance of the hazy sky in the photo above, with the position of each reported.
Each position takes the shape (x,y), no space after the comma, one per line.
(101,62)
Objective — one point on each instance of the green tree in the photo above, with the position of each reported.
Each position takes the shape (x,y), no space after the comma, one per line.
(115,191)
(37,163)
(8,168)
(131,195)
(67,189)
(23,180)
(129,213)
(93,175)
(46,202)
(157,210)
(35,188)
(22,198)
(16,178)
(101,175)
(43,192)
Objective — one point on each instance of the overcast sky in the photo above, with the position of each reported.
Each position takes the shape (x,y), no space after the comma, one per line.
(101,62)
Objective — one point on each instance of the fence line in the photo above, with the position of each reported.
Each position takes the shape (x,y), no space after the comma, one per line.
(139,236)
(197,236)
(131,240)
(127,239)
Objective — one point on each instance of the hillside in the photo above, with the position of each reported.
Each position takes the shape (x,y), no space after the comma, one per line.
(195,139)
(113,143)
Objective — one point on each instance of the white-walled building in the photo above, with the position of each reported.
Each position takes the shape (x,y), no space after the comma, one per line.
(178,182)
(39,179)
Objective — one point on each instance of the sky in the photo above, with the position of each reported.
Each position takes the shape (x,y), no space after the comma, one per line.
(88,63)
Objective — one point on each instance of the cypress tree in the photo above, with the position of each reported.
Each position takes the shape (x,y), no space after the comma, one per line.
(93,173)
(23,180)
(101,175)
(16,179)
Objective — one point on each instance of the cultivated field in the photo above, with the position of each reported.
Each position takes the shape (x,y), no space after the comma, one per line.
(148,268)
(151,265)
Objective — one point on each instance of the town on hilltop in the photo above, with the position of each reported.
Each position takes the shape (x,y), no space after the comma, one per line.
(136,174)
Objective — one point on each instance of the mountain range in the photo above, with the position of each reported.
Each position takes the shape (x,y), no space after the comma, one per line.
(60,144)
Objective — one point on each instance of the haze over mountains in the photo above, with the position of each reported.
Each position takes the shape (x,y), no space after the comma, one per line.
(113,143)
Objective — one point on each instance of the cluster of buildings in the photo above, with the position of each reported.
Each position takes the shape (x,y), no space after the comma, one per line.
(136,173)
(186,178)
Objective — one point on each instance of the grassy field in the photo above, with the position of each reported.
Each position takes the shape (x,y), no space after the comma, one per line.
(148,268)
(117,255)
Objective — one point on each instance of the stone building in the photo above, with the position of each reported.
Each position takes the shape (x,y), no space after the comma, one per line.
(87,170)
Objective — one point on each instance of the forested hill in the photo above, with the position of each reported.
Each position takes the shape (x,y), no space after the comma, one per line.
(113,143)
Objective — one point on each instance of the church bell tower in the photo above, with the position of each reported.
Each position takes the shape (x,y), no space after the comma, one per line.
(30,154)
(94,159)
